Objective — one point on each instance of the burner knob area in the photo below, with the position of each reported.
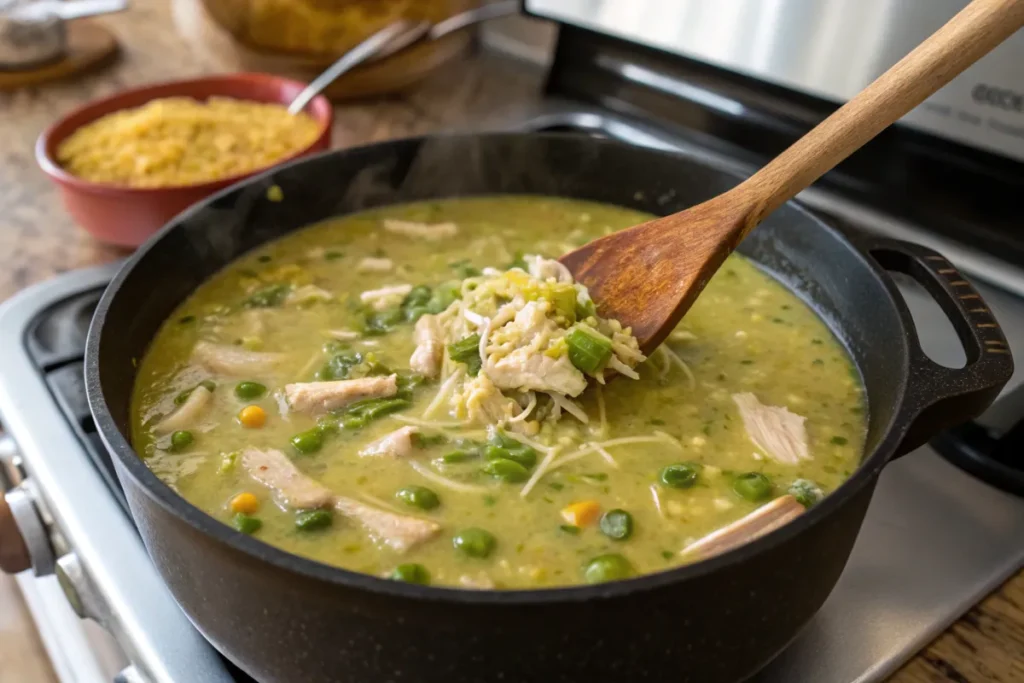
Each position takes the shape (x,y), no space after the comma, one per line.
(23,535)
(14,555)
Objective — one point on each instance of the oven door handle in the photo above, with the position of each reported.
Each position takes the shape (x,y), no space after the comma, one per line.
(938,397)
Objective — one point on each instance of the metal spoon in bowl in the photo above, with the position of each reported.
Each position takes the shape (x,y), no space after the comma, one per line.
(398,36)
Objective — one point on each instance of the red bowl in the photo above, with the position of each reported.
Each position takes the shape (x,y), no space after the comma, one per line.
(127,216)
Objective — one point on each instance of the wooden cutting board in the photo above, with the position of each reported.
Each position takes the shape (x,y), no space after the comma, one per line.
(90,46)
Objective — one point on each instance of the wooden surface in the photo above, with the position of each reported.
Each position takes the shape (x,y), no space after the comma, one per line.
(90,46)
(38,240)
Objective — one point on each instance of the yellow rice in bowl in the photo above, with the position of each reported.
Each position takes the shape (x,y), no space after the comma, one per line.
(181,141)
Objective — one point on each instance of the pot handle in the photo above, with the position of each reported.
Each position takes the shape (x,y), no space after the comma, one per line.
(939,397)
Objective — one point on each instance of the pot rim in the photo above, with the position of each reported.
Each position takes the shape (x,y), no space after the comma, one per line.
(131,464)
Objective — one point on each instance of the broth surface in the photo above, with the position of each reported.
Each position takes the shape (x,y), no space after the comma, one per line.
(746,333)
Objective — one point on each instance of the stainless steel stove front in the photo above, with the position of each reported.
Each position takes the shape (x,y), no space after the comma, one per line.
(935,541)
(105,565)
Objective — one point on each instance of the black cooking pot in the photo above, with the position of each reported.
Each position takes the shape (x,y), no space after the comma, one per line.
(284,618)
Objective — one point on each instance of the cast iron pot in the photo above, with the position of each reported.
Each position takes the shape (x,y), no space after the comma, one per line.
(284,618)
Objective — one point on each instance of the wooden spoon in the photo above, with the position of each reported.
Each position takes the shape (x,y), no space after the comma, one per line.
(649,275)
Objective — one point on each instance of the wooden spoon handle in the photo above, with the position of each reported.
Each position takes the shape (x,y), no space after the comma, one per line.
(968,36)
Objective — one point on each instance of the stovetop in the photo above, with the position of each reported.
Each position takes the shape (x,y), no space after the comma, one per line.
(935,541)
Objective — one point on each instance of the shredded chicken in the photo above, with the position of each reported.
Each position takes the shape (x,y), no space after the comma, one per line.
(385,297)
(547,269)
(400,532)
(429,339)
(234,360)
(761,521)
(315,398)
(425,231)
(776,431)
(188,413)
(484,404)
(375,265)
(291,488)
(527,368)
(397,444)
(344,334)
(538,332)
(308,294)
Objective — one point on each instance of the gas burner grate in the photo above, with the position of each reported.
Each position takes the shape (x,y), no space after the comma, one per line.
(997,460)
(56,344)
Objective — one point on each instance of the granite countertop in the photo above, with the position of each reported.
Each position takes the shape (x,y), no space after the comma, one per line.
(39,240)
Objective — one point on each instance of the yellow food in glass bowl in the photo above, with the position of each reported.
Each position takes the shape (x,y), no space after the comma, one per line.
(182,141)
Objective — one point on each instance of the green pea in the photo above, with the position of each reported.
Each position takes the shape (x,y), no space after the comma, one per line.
(753,486)
(247,524)
(617,524)
(411,573)
(418,497)
(806,492)
(248,391)
(610,567)
(181,440)
(679,476)
(311,520)
(309,441)
(474,542)
(507,470)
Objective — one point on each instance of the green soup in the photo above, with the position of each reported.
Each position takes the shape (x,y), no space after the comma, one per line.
(662,461)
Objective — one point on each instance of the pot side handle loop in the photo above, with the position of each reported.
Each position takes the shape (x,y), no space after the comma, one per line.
(939,397)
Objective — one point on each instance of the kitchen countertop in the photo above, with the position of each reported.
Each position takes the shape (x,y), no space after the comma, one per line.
(38,240)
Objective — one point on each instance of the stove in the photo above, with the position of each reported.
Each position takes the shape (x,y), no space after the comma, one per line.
(944,528)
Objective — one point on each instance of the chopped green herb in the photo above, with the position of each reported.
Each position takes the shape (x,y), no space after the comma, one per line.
(556,485)
(267,297)
(667,554)
(186,319)
(806,492)
(459,455)
(333,255)
(467,351)
(656,422)
(507,470)
(308,442)
(264,258)
(588,353)
(570,529)
(839,440)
